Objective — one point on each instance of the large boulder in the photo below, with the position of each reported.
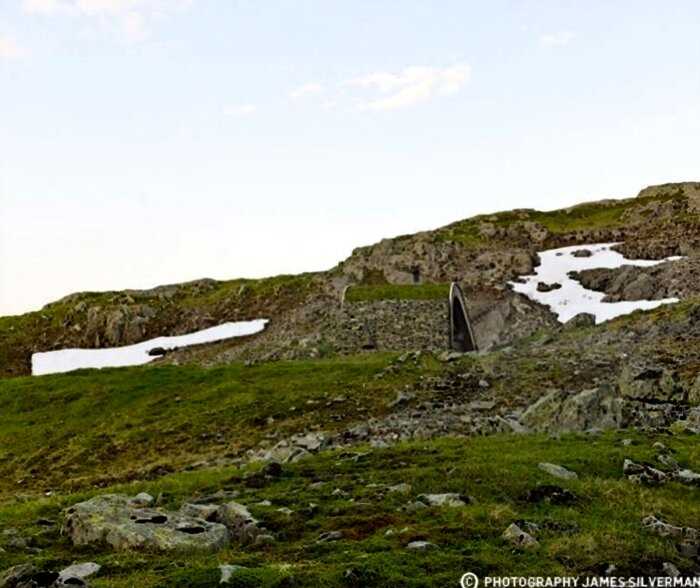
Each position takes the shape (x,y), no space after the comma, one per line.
(558,411)
(651,383)
(115,520)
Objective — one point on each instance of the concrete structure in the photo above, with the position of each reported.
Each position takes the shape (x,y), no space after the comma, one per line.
(461,334)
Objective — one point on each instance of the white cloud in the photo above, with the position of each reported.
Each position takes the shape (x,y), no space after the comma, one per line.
(131,17)
(310,89)
(240,110)
(9,49)
(411,86)
(558,39)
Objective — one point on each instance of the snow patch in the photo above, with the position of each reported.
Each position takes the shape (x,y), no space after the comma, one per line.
(66,360)
(572,298)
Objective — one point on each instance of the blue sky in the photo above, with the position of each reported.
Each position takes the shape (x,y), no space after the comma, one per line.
(154,141)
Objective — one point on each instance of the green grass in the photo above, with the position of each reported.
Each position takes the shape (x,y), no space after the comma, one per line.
(600,528)
(99,426)
(370,293)
(587,216)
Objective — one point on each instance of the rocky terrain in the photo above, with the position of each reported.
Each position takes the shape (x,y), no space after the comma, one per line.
(346,445)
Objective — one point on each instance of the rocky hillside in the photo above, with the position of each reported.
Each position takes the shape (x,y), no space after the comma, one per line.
(345,445)
(481,253)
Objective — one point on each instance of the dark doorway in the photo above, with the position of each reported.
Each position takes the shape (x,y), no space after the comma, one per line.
(415,270)
(461,335)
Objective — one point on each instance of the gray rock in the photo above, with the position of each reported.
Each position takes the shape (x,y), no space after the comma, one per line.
(241,525)
(664,529)
(643,473)
(519,538)
(402,488)
(79,571)
(558,471)
(421,546)
(581,320)
(111,520)
(447,499)
(329,536)
(688,477)
(142,499)
(670,570)
(203,511)
(228,572)
(558,411)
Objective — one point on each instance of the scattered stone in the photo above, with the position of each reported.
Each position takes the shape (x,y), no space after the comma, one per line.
(581,320)
(142,499)
(582,253)
(329,536)
(481,405)
(663,529)
(670,570)
(402,488)
(239,522)
(272,469)
(78,572)
(447,499)
(551,494)
(558,471)
(113,520)
(264,539)
(228,572)
(421,545)
(203,511)
(544,287)
(519,538)
(627,442)
(401,399)
(641,473)
(688,477)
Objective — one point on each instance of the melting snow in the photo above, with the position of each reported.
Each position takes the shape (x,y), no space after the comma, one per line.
(66,360)
(572,298)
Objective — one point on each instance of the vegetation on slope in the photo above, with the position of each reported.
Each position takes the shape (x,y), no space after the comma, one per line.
(349,492)
(371,293)
(604,214)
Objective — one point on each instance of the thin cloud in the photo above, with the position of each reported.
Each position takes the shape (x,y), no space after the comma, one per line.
(310,89)
(240,110)
(9,49)
(410,86)
(131,17)
(559,39)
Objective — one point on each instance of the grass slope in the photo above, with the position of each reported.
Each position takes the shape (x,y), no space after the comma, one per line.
(349,494)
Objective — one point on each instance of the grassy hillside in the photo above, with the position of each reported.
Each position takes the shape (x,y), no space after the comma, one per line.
(604,214)
(348,492)
(94,427)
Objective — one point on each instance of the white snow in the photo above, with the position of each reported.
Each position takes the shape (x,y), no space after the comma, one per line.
(66,360)
(572,298)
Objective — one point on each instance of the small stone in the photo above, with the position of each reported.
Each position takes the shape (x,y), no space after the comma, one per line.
(558,471)
(519,538)
(142,499)
(421,545)
(79,571)
(402,488)
(627,442)
(670,570)
(688,477)
(642,473)
(484,384)
(329,536)
(447,499)
(228,572)
(264,539)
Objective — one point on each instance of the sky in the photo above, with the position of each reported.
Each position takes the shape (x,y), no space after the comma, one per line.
(145,142)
